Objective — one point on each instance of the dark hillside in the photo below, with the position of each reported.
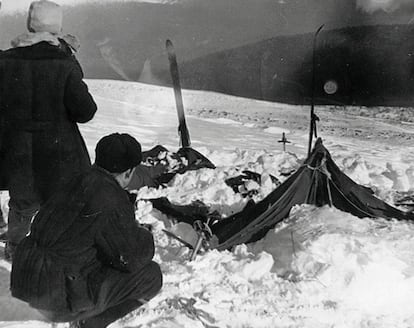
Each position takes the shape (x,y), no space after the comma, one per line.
(119,39)
(371,65)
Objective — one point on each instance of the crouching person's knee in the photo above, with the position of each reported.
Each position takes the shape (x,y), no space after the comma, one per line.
(153,271)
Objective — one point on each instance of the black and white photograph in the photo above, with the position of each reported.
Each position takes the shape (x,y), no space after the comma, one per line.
(206,163)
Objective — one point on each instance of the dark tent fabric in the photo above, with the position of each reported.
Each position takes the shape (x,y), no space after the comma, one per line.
(183,213)
(318,181)
(194,160)
(155,170)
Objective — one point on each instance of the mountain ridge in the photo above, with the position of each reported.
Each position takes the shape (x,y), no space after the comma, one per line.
(131,33)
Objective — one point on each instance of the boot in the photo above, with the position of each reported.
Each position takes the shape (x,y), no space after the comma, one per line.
(110,315)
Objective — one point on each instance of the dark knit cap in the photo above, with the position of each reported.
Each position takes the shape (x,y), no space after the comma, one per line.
(117,152)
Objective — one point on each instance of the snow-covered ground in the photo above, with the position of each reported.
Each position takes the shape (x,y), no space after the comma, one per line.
(320,268)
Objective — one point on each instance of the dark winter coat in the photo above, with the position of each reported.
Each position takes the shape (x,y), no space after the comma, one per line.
(86,228)
(42,97)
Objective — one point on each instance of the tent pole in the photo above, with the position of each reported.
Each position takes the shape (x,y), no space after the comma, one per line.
(312,111)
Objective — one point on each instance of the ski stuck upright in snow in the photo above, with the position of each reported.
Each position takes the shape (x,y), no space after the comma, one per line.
(313,117)
(194,158)
(182,125)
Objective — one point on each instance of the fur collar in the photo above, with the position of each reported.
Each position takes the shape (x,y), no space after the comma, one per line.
(30,38)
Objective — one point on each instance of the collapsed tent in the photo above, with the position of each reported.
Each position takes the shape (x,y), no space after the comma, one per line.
(319,182)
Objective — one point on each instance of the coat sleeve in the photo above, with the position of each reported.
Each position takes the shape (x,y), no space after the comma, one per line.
(78,101)
(123,244)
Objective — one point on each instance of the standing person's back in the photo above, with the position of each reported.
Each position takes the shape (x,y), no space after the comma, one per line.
(42,97)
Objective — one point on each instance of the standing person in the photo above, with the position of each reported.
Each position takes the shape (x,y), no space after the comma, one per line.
(86,258)
(42,98)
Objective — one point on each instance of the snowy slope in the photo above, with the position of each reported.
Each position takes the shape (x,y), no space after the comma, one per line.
(321,268)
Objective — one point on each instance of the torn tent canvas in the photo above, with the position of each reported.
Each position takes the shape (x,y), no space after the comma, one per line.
(319,182)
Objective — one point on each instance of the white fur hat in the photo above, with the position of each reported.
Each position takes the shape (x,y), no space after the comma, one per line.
(45,16)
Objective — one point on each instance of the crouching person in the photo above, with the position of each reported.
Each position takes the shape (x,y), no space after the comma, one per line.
(86,259)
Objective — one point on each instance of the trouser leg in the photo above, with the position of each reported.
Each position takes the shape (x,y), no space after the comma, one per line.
(121,293)
(110,315)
